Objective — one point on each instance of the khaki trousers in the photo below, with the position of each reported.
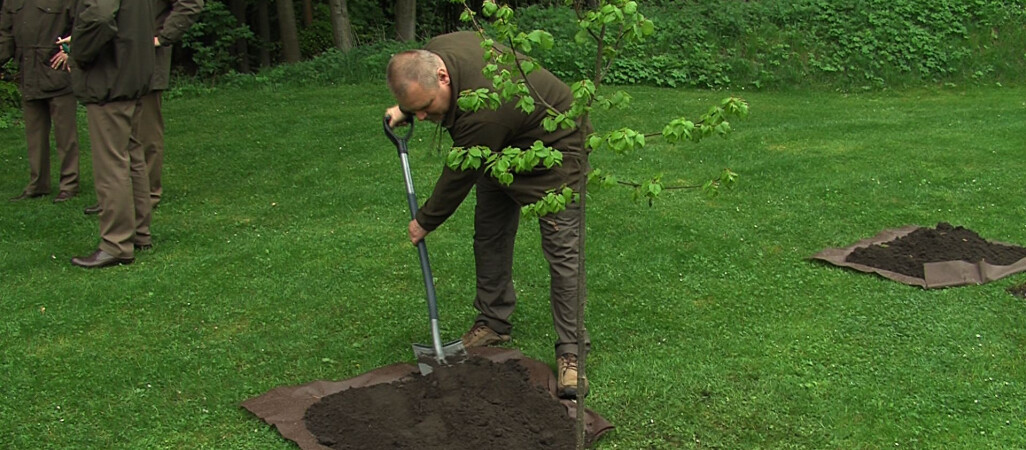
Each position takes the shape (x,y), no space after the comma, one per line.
(151,137)
(496,219)
(39,116)
(119,173)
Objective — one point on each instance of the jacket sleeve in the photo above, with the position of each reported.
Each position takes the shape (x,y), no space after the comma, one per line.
(95,27)
(450,190)
(453,186)
(6,36)
(184,13)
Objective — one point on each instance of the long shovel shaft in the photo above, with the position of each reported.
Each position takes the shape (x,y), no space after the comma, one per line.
(425,264)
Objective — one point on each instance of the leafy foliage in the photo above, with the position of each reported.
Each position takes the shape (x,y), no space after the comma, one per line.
(837,43)
(10,103)
(362,64)
(611,27)
(211,40)
(316,37)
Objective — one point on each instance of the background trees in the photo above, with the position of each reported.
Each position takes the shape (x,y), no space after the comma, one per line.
(835,44)
(713,44)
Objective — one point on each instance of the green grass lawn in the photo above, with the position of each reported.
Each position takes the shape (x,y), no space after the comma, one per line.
(281,257)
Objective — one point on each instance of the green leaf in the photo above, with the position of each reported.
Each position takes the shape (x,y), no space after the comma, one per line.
(489,8)
(528,66)
(582,37)
(647,27)
(526,104)
(549,124)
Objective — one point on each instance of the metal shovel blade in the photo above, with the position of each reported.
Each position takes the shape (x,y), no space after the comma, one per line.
(428,358)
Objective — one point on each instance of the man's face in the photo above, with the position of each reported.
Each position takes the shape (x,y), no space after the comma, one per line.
(428,102)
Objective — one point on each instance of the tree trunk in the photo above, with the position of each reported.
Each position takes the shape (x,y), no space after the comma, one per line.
(307,12)
(264,32)
(238,8)
(406,19)
(287,26)
(341,28)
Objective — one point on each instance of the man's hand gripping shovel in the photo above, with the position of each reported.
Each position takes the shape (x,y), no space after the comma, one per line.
(435,355)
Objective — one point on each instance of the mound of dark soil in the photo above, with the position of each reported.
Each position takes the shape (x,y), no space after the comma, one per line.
(907,254)
(474,405)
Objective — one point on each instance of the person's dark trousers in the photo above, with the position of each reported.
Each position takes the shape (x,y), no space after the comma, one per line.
(151,137)
(496,219)
(40,115)
(119,171)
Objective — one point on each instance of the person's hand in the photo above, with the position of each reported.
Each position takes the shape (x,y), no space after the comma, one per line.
(417,232)
(64,40)
(156,41)
(59,61)
(396,116)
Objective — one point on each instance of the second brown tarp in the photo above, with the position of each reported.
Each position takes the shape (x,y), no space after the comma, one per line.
(935,274)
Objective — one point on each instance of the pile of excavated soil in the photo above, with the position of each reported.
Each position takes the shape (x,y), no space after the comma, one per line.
(474,405)
(907,254)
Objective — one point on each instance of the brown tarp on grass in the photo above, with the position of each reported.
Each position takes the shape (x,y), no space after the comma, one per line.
(937,274)
(284,407)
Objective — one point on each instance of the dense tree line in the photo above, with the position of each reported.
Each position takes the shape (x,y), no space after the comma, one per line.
(266,32)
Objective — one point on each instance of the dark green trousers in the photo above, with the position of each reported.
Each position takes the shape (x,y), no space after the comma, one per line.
(119,174)
(496,219)
(40,116)
(151,137)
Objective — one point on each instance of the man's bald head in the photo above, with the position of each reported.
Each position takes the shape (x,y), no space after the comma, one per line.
(413,67)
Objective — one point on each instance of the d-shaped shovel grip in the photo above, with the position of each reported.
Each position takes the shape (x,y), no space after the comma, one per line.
(400,142)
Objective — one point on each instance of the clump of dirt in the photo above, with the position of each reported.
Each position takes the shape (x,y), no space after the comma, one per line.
(907,254)
(1018,290)
(474,405)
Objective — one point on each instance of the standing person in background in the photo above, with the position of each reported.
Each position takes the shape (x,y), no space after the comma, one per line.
(174,17)
(28,30)
(113,56)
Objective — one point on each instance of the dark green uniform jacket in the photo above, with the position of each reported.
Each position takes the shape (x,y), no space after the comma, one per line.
(112,47)
(174,17)
(498,129)
(28,32)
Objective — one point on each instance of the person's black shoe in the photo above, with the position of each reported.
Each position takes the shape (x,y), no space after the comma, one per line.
(24,195)
(92,210)
(63,196)
(99,259)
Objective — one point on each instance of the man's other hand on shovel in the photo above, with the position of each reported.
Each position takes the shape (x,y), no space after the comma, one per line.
(417,232)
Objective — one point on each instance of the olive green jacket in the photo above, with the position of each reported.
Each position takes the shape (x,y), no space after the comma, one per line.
(28,32)
(174,17)
(112,48)
(497,129)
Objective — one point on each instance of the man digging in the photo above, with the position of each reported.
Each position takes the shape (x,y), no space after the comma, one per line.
(426,84)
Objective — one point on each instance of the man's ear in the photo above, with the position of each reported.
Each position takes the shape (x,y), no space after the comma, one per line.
(443,76)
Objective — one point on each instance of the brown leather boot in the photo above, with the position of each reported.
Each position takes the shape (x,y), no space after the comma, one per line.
(566,377)
(482,336)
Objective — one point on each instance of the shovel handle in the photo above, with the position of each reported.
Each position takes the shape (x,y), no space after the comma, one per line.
(411,199)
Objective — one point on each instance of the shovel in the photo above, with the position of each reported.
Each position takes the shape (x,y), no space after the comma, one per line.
(435,355)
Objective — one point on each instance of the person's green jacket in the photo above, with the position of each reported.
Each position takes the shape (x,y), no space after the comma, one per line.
(29,30)
(497,129)
(174,17)
(112,48)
